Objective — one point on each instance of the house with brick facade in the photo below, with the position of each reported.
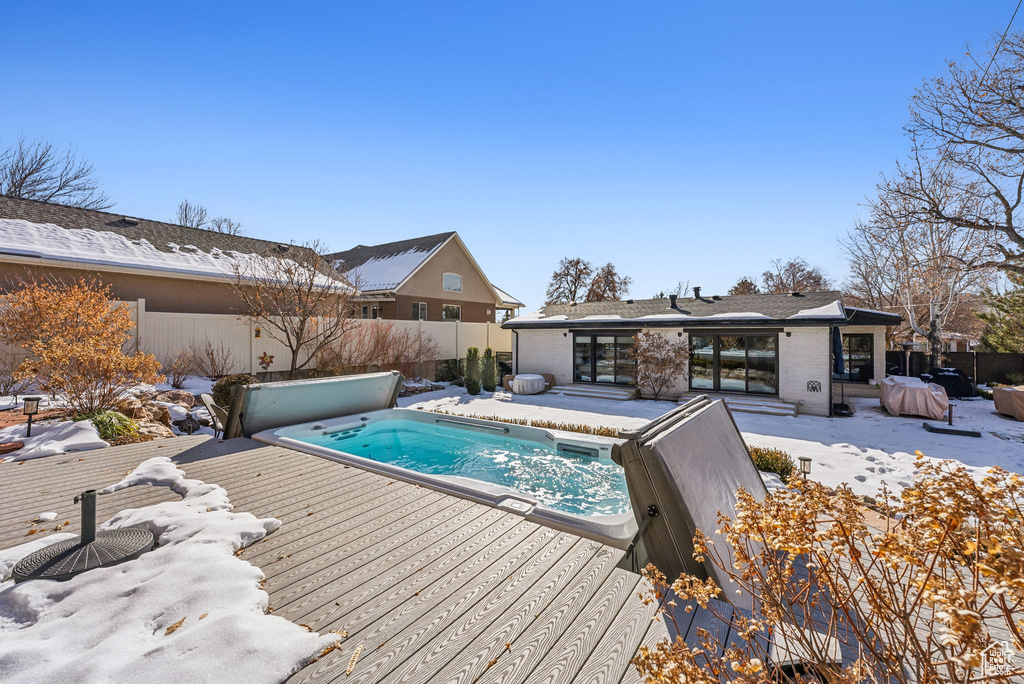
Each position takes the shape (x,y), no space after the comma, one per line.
(777,347)
(429,278)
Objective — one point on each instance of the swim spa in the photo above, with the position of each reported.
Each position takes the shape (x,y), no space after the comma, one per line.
(562,480)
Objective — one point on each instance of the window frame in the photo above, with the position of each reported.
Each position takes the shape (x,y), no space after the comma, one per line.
(847,356)
(451,306)
(716,361)
(419,311)
(449,289)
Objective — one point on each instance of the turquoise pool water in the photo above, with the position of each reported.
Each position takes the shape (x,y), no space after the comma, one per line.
(581,485)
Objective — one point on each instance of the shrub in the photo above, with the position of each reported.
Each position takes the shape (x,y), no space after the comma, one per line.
(983,393)
(919,601)
(473,370)
(222,388)
(447,370)
(1015,378)
(773,461)
(77,340)
(488,371)
(112,424)
(659,362)
(10,383)
(211,361)
(379,346)
(178,367)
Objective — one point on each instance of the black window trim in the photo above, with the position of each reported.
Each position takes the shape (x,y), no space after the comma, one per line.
(716,334)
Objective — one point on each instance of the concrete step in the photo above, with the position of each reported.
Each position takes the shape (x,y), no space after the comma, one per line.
(768,406)
(599,392)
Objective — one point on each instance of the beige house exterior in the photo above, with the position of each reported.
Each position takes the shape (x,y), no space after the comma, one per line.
(430,278)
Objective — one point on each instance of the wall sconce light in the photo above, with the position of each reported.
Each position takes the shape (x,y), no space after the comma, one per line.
(257,333)
(30,408)
(565,334)
(679,334)
(805,466)
(789,334)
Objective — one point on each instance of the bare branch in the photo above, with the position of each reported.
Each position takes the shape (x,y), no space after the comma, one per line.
(36,170)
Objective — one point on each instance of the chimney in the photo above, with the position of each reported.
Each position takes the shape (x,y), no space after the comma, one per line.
(696,292)
(672,300)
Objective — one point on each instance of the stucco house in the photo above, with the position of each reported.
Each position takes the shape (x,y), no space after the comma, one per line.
(175,269)
(429,278)
(776,346)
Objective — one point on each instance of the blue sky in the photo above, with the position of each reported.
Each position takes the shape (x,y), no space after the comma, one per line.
(680,141)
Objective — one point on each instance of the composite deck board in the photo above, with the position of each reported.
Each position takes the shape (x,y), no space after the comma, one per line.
(431,586)
(657,631)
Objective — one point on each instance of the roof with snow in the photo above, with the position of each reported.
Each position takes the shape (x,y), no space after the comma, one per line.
(384,267)
(506,298)
(798,308)
(34,229)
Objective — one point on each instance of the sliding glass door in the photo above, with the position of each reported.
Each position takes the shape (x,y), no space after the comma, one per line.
(734,363)
(603,358)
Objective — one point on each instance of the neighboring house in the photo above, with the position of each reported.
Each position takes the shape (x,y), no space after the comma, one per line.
(767,345)
(430,278)
(174,268)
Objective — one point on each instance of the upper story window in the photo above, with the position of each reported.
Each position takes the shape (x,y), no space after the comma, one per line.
(452,282)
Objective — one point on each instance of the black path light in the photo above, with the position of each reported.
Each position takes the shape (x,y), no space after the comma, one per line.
(30,408)
(805,466)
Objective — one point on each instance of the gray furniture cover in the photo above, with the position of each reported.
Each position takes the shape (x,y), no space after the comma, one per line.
(270,405)
(688,463)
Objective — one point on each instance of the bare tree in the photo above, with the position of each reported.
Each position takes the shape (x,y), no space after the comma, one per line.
(680,290)
(608,285)
(660,361)
(297,298)
(222,224)
(745,286)
(929,265)
(36,170)
(569,281)
(969,123)
(795,275)
(191,215)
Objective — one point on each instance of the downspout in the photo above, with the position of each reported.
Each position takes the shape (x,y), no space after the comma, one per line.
(515,371)
(831,365)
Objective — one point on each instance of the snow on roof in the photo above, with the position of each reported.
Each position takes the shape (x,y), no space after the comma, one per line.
(830,310)
(107,248)
(387,273)
(506,298)
(737,314)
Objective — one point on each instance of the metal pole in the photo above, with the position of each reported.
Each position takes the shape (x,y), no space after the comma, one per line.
(88,516)
(950,414)
(28,432)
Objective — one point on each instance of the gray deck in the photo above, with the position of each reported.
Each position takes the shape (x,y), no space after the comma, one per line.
(429,587)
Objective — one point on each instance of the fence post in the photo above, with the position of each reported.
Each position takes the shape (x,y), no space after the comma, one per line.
(140,313)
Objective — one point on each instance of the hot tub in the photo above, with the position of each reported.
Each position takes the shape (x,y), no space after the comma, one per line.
(562,480)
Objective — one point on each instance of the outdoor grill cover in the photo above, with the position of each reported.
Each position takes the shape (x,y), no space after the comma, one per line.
(903,396)
(1009,401)
(688,463)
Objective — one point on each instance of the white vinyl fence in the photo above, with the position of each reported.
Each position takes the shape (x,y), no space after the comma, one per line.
(166,334)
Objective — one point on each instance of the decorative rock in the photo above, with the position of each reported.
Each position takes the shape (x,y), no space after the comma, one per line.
(155,430)
(8,447)
(160,414)
(180,397)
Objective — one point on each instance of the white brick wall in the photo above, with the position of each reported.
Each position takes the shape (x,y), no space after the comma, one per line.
(803,357)
(544,351)
(879,332)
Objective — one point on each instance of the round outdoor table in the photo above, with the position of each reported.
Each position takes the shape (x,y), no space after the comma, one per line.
(528,383)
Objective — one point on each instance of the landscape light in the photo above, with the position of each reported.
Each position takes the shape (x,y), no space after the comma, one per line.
(805,466)
(30,408)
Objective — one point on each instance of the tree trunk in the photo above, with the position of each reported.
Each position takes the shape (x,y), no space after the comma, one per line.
(934,342)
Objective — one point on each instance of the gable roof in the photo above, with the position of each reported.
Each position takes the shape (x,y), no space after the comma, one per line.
(42,230)
(387,266)
(810,308)
(506,298)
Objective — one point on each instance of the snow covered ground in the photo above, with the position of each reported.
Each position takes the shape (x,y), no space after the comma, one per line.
(187,611)
(51,437)
(864,451)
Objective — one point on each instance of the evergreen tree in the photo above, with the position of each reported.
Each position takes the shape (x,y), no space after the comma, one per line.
(473,370)
(1005,318)
(489,371)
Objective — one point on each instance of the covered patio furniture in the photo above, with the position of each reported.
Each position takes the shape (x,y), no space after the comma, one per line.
(956,383)
(218,416)
(528,383)
(1009,401)
(903,396)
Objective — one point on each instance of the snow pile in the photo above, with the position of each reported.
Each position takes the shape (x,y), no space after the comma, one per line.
(50,438)
(832,310)
(188,611)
